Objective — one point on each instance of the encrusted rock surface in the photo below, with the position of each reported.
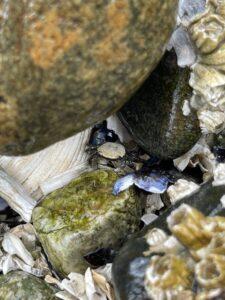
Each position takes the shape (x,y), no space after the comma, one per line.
(19,285)
(84,217)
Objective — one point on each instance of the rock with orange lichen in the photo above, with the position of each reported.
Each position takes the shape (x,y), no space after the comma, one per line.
(68,64)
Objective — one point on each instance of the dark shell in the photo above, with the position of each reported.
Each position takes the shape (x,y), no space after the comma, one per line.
(154,115)
(66,65)
(130,265)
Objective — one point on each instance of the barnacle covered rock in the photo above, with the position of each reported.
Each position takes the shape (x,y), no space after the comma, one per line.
(157,115)
(83,217)
(206,29)
(20,285)
(202,237)
(68,64)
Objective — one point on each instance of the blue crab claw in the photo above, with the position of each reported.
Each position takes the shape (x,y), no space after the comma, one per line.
(153,183)
(123,183)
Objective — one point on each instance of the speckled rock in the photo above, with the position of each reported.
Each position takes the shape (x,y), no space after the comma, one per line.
(19,285)
(84,217)
(158,115)
(68,64)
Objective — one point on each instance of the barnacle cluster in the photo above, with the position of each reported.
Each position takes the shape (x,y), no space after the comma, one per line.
(190,263)
(207,32)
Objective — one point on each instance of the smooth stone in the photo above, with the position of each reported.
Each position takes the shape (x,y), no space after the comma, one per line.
(66,65)
(83,217)
(154,115)
(130,264)
(18,285)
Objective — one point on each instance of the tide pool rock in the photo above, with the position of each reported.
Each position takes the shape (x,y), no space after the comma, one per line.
(18,285)
(158,115)
(83,217)
(66,65)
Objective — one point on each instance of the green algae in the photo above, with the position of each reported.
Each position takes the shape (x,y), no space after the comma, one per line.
(83,217)
(18,285)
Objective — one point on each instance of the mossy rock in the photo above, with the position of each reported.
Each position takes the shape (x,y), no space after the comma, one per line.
(154,115)
(130,265)
(83,217)
(18,285)
(66,65)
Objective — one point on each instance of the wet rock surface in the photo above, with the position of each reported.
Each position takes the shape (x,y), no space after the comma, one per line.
(83,217)
(67,65)
(130,265)
(18,285)
(157,116)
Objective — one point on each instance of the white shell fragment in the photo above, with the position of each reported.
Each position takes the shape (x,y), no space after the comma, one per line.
(219,175)
(17,247)
(183,47)
(149,218)
(114,123)
(211,121)
(181,189)
(62,162)
(16,196)
(13,245)
(26,179)
(153,203)
(112,150)
(93,285)
(200,153)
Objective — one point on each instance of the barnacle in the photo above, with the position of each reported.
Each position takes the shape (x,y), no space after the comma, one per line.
(194,255)
(187,224)
(169,272)
(210,271)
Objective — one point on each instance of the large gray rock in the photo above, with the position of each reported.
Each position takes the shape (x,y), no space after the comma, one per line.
(83,217)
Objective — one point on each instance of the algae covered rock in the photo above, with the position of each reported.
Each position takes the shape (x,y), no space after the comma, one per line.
(83,217)
(67,64)
(158,115)
(18,285)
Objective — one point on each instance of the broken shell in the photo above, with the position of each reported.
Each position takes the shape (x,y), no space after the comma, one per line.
(13,245)
(112,150)
(187,225)
(210,272)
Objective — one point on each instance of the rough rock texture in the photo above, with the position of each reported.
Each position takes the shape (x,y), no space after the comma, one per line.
(130,265)
(19,285)
(156,115)
(68,64)
(84,217)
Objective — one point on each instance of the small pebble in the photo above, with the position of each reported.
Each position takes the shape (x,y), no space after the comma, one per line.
(112,150)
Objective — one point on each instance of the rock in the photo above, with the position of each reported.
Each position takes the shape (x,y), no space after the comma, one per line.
(130,264)
(66,65)
(84,217)
(112,150)
(158,116)
(18,285)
